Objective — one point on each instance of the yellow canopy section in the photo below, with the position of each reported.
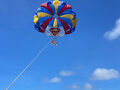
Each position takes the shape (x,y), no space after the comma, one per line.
(56,3)
(35,19)
(69,16)
(74,21)
(55,23)
(42,14)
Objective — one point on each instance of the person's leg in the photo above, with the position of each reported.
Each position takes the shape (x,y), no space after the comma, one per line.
(55,40)
(52,40)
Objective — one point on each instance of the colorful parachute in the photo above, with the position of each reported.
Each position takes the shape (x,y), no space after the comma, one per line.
(55,18)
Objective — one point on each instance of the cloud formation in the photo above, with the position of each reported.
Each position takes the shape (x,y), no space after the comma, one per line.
(105,74)
(88,87)
(66,73)
(115,32)
(53,80)
(57,79)
(74,87)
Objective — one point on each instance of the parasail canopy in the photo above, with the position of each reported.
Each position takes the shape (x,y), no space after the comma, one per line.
(55,18)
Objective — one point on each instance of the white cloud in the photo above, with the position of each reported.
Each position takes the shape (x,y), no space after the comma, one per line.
(66,73)
(74,87)
(88,87)
(53,80)
(115,32)
(105,74)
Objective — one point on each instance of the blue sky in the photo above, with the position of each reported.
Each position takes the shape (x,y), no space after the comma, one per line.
(88,59)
